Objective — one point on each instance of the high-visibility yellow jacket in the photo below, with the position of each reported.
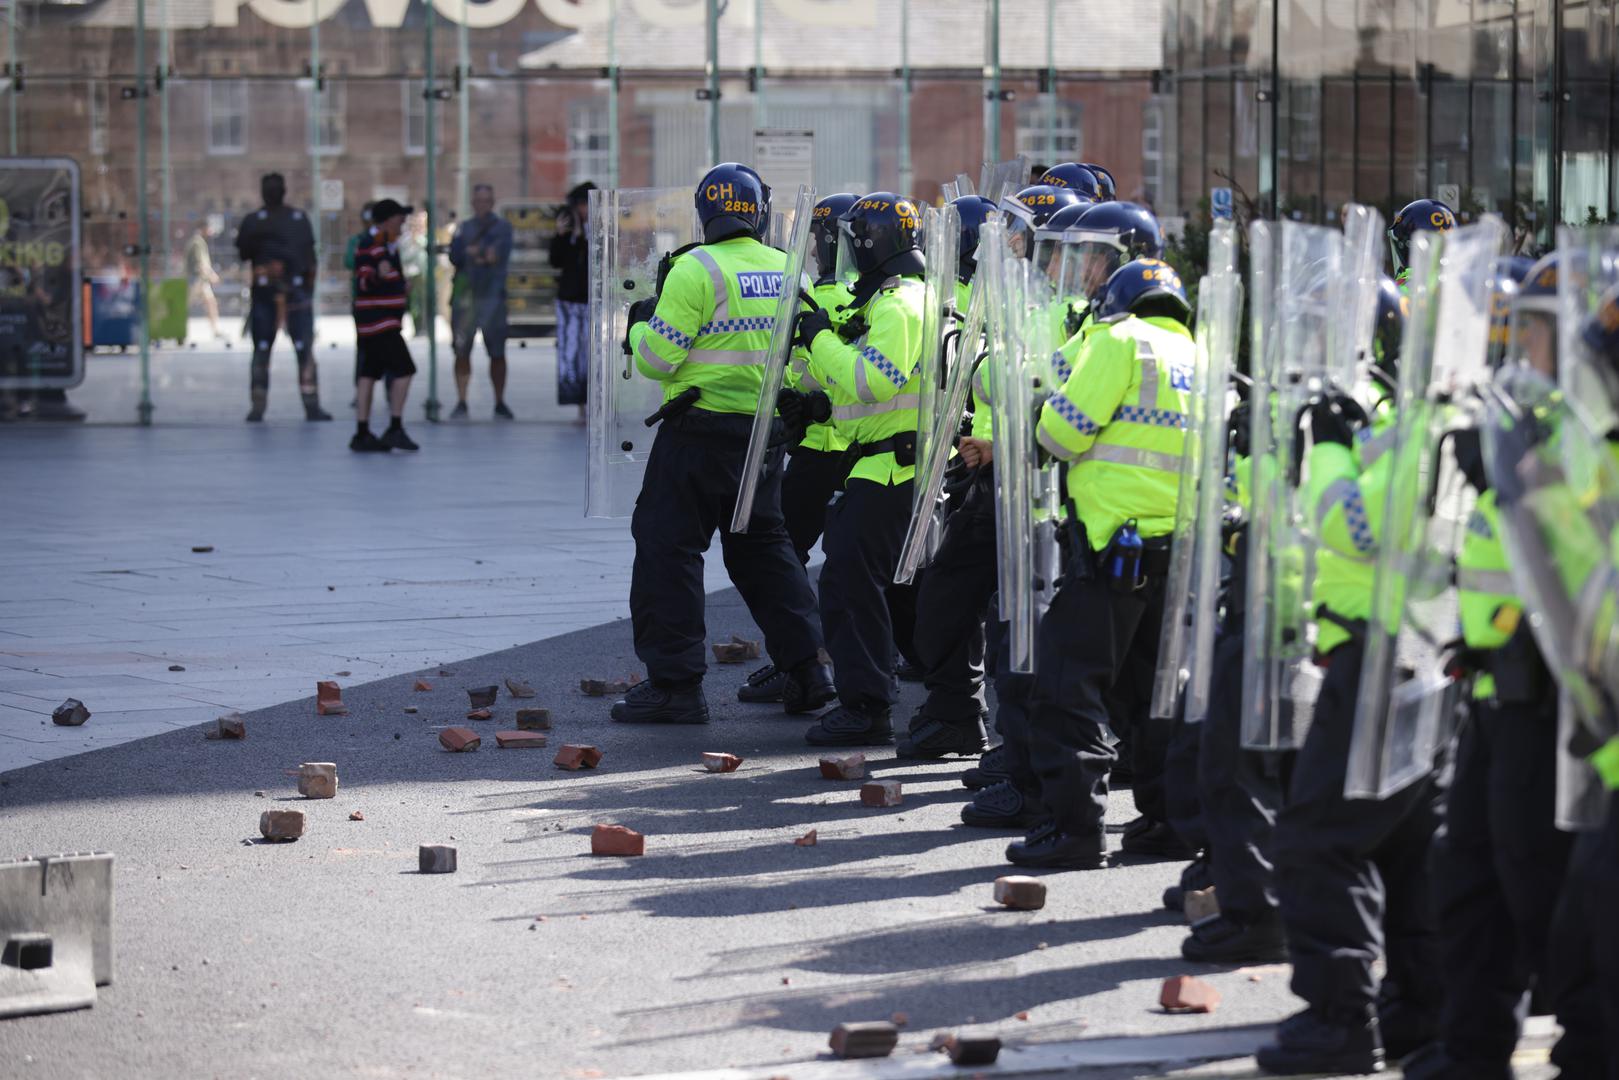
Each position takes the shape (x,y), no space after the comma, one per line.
(1485,596)
(1120,422)
(872,381)
(713,324)
(1345,495)
(831,297)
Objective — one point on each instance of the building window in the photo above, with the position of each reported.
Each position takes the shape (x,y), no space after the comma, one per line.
(590,142)
(1041,140)
(415,114)
(327,113)
(98,117)
(1152,147)
(227,116)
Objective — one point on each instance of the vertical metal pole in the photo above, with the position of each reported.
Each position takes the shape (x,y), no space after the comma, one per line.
(612,94)
(11,66)
(992,76)
(430,147)
(317,87)
(759,110)
(463,157)
(905,177)
(1051,83)
(143,228)
(163,130)
(713,67)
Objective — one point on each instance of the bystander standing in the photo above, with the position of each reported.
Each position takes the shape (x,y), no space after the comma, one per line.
(202,275)
(569,250)
(480,251)
(379,317)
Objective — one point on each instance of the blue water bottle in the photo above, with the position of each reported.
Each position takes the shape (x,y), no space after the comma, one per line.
(1124,563)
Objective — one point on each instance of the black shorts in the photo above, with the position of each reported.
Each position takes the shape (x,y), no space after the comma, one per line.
(385,356)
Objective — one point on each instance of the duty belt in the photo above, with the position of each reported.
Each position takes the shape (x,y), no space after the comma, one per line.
(902,446)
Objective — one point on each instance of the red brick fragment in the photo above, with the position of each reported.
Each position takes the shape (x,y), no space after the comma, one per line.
(1188,994)
(847,767)
(868,1040)
(481,697)
(329,700)
(809,839)
(533,719)
(616,840)
(519,740)
(729,652)
(1024,1016)
(751,648)
(281,824)
(604,687)
(480,714)
(881,793)
(973,1049)
(458,739)
(714,762)
(355,815)
(423,685)
(578,757)
(1020,892)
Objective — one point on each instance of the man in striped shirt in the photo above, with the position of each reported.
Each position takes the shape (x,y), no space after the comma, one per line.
(380,299)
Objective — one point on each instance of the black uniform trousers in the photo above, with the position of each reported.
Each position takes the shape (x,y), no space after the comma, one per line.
(952,598)
(264,317)
(1498,864)
(1584,956)
(865,528)
(689,492)
(812,478)
(1352,875)
(1095,657)
(1182,800)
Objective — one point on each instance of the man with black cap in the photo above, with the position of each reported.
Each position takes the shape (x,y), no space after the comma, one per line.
(279,244)
(380,299)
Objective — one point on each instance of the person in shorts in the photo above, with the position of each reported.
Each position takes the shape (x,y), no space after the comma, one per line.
(381,296)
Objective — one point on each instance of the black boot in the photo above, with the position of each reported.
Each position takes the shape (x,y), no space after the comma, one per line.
(1002,806)
(848,726)
(1049,846)
(1220,940)
(764,686)
(1308,1042)
(649,703)
(261,398)
(809,687)
(931,737)
(1194,878)
(1434,1062)
(1157,841)
(992,768)
(312,409)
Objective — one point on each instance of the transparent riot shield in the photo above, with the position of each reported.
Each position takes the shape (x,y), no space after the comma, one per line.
(1588,268)
(998,179)
(1444,359)
(775,365)
(1194,554)
(631,229)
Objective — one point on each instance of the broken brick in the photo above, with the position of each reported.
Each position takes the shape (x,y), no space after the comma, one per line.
(519,740)
(868,1040)
(1201,904)
(721,762)
(480,714)
(458,739)
(71,713)
(1021,893)
(201,549)
(881,793)
(519,689)
(355,815)
(176,667)
(578,757)
(329,700)
(973,1049)
(1188,994)
(482,697)
(281,824)
(900,1019)
(435,859)
(603,688)
(809,839)
(229,726)
(533,719)
(729,652)
(616,840)
(423,684)
(848,767)
(411,709)
(317,780)
(751,648)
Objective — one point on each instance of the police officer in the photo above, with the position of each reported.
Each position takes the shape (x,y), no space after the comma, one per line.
(1074,177)
(1351,874)
(1117,425)
(1422,215)
(709,331)
(818,463)
(279,244)
(870,391)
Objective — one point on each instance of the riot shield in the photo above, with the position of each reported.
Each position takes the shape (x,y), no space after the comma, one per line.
(775,365)
(1444,358)
(998,179)
(1194,554)
(631,229)
(1589,267)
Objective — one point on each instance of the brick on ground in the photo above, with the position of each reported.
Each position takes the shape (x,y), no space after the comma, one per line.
(1020,892)
(281,824)
(435,859)
(422,685)
(519,740)
(844,767)
(573,757)
(517,688)
(458,739)
(481,697)
(71,713)
(480,714)
(616,840)
(533,719)
(873,1039)
(882,793)
(716,762)
(329,699)
(317,780)
(1201,904)
(1188,994)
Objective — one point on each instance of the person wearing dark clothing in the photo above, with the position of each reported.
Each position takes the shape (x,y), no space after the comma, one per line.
(480,251)
(569,250)
(278,242)
(381,296)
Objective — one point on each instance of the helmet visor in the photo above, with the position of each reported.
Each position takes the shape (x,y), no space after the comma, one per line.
(847,267)
(1531,337)
(1079,264)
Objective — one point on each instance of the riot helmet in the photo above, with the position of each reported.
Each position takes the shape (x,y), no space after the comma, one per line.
(824,233)
(1423,215)
(1143,287)
(880,234)
(1110,189)
(1505,279)
(1080,247)
(1076,178)
(1532,329)
(972,211)
(1028,210)
(732,200)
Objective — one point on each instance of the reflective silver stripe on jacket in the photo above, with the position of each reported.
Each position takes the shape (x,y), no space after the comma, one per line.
(1133,456)
(981,381)
(896,403)
(1375,446)
(722,301)
(806,381)
(738,357)
(1472,579)
(644,351)
(1053,447)
(1148,360)
(1333,496)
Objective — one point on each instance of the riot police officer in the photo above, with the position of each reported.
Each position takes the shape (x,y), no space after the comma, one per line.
(1074,177)
(278,243)
(708,331)
(1422,215)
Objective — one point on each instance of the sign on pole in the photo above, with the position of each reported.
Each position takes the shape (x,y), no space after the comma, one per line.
(786,159)
(41,340)
(1220,204)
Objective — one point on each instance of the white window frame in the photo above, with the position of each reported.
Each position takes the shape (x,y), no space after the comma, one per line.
(1069,132)
(100,106)
(332,102)
(413,110)
(590,144)
(1155,115)
(220,110)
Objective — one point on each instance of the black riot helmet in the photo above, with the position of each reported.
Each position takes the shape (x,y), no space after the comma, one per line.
(1074,177)
(732,200)
(1110,189)
(273,187)
(1424,215)
(1389,329)
(824,232)
(880,235)
(1029,209)
(973,211)
(1144,287)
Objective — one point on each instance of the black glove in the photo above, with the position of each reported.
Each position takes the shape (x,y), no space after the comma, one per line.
(817,407)
(854,328)
(790,407)
(1241,428)
(1470,458)
(641,311)
(1330,420)
(810,324)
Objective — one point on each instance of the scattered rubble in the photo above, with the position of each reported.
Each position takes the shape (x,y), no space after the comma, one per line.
(519,689)
(900,1019)
(616,840)
(317,780)
(71,713)
(809,839)
(201,549)
(533,719)
(231,726)
(714,762)
(482,697)
(177,667)
(874,1039)
(1201,904)
(603,688)
(355,815)
(751,648)
(458,740)
(729,652)
(847,767)
(281,824)
(422,685)
(342,674)
(881,793)
(1188,994)
(410,709)
(519,740)
(578,757)
(480,714)
(1020,892)
(972,1049)
(435,859)
(329,700)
